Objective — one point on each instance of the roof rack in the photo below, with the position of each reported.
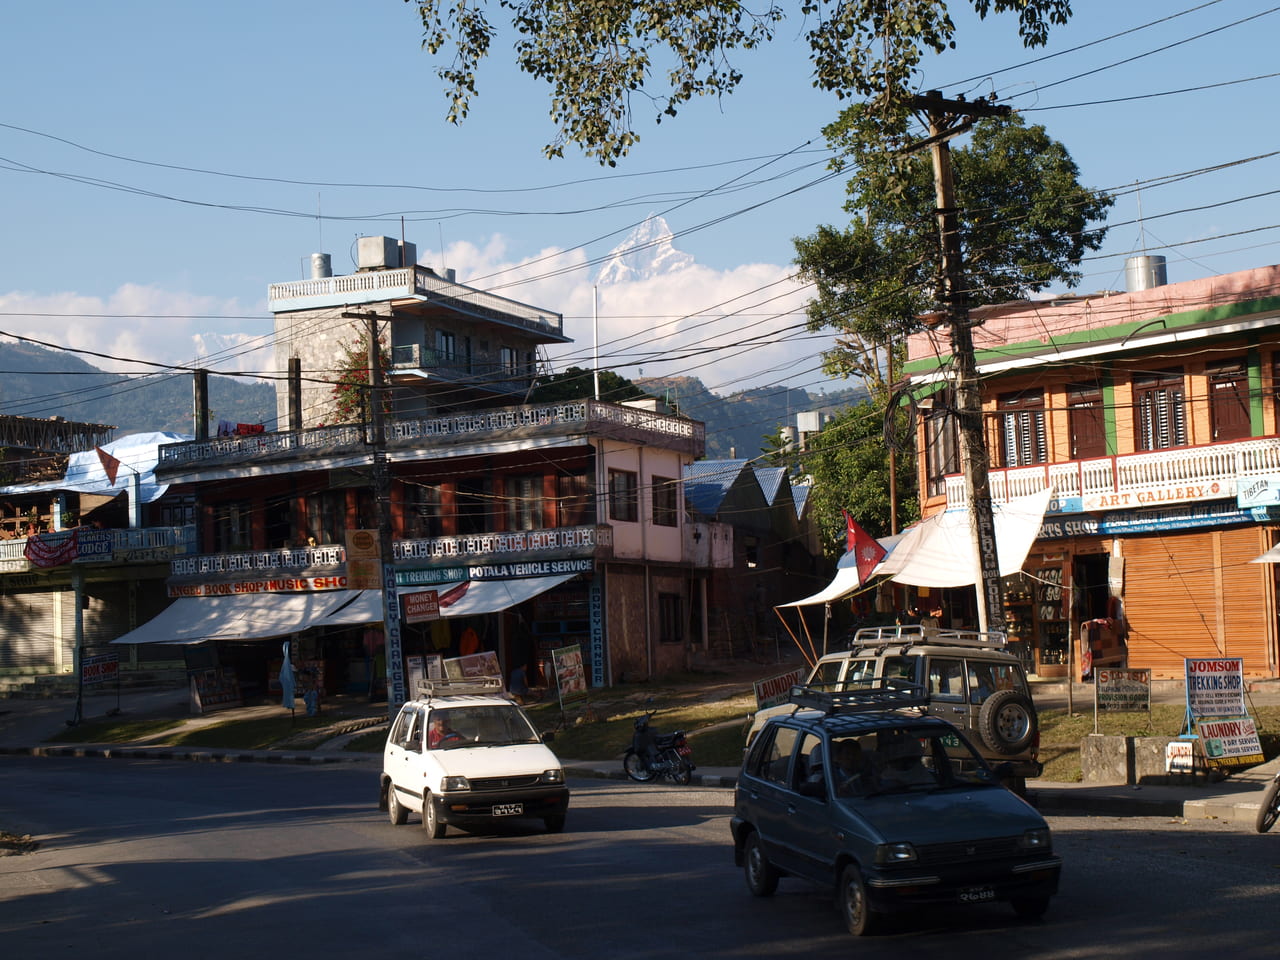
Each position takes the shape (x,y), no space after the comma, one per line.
(452,687)
(915,633)
(887,693)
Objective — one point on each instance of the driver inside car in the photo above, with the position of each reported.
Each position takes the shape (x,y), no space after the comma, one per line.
(440,732)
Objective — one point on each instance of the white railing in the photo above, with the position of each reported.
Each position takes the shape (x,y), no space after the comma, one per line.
(121,546)
(1224,464)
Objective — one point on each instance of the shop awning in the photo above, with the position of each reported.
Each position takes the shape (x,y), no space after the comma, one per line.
(242,617)
(846,579)
(938,551)
(457,599)
(1271,556)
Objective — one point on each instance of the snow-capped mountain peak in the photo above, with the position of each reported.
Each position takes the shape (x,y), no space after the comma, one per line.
(647,252)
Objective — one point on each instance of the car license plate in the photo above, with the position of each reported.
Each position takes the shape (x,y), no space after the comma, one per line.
(977,894)
(508,809)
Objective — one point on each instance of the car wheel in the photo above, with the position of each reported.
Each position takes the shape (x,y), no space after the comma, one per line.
(762,876)
(431,819)
(854,906)
(1007,722)
(1030,908)
(396,811)
(554,824)
(1270,809)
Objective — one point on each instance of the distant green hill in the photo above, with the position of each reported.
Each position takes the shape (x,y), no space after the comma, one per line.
(36,382)
(738,424)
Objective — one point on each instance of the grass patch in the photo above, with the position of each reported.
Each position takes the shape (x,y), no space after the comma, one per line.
(114,730)
(261,734)
(371,742)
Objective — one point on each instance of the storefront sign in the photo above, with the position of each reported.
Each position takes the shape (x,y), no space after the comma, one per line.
(1123,689)
(595,600)
(421,606)
(545,568)
(239,587)
(99,669)
(1179,756)
(473,666)
(775,690)
(1146,521)
(1215,686)
(1230,743)
(1258,492)
(1157,495)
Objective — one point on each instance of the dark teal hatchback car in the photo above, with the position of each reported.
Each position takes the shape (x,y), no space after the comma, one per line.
(894,810)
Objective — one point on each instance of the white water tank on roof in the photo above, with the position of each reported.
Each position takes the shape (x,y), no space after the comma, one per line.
(1145,272)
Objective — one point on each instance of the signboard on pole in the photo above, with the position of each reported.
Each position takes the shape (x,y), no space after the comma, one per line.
(364,560)
(571,679)
(775,690)
(105,666)
(1230,743)
(1215,686)
(1124,689)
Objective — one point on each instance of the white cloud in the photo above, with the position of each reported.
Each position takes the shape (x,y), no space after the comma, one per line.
(142,323)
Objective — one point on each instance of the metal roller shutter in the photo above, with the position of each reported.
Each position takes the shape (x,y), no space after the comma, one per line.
(1196,595)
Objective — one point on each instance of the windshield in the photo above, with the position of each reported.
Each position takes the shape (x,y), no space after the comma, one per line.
(905,760)
(493,725)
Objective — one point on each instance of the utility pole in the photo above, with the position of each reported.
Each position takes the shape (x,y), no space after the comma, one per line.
(947,119)
(382,496)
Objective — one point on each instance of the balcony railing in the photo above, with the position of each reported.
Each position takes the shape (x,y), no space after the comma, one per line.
(1184,475)
(377,285)
(142,545)
(595,541)
(583,416)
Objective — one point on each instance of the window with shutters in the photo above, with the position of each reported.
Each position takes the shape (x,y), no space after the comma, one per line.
(1022,439)
(1229,400)
(524,502)
(1159,410)
(623,500)
(941,443)
(1086,422)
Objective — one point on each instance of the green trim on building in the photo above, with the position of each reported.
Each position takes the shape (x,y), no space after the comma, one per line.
(1119,331)
(1253,366)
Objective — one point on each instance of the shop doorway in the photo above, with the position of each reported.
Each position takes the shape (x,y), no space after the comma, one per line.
(1090,595)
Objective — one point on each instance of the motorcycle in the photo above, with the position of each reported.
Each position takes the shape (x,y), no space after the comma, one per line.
(652,754)
(1269,811)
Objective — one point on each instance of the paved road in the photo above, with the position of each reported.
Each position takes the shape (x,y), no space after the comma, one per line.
(154,858)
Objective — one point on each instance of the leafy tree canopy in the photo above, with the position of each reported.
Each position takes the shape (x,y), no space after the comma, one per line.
(596,54)
(351,389)
(1025,223)
(577,383)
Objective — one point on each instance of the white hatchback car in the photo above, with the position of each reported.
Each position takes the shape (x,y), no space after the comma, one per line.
(465,753)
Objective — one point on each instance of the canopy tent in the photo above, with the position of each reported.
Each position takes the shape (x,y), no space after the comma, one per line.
(256,616)
(137,453)
(938,551)
(846,579)
(488,596)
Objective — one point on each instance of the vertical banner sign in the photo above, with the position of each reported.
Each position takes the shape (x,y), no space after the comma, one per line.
(391,627)
(597,634)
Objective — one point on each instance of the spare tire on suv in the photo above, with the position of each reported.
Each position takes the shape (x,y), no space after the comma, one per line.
(1007,722)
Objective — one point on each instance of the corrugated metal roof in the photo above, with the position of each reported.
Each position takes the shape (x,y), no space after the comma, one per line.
(706,482)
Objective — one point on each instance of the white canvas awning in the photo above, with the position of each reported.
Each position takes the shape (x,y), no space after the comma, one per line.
(242,617)
(846,579)
(938,551)
(1271,556)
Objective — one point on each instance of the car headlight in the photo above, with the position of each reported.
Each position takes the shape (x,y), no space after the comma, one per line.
(454,784)
(1037,839)
(553,776)
(895,853)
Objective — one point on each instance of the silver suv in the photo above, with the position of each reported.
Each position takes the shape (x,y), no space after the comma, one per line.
(969,678)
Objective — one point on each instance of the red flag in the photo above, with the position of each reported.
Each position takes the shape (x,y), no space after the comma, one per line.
(109,464)
(864,547)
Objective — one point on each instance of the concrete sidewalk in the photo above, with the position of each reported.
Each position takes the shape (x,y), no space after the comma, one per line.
(27,725)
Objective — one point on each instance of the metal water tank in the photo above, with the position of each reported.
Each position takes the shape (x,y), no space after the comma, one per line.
(1145,272)
(321,266)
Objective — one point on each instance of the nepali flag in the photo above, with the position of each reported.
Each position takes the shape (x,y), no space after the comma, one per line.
(863,546)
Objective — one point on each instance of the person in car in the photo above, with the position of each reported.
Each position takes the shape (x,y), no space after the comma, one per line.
(853,776)
(440,732)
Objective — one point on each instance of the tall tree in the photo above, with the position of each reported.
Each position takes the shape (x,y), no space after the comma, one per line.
(578,383)
(1026,222)
(597,54)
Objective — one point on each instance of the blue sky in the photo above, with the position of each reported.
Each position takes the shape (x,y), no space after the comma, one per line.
(164,162)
